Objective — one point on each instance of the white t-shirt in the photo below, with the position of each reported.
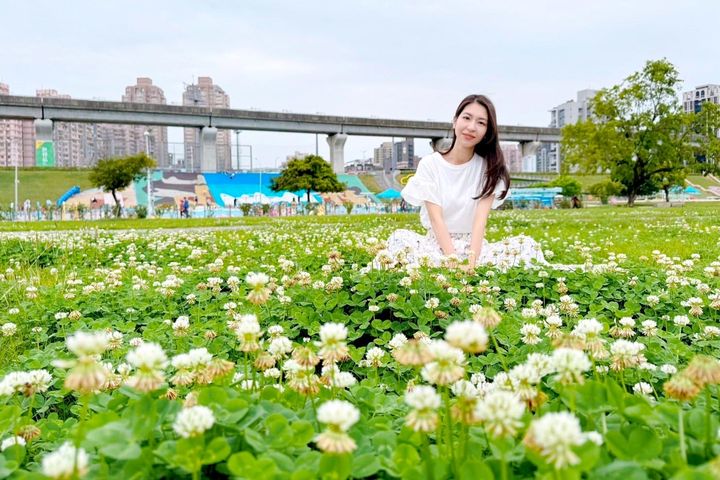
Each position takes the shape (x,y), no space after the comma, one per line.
(450,186)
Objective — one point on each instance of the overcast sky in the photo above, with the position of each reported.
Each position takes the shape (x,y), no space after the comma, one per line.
(381,58)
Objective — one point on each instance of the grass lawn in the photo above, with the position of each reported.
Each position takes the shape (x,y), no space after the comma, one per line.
(40,185)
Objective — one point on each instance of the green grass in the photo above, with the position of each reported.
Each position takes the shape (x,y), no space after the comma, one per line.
(702,181)
(585,180)
(634,231)
(40,185)
(370,182)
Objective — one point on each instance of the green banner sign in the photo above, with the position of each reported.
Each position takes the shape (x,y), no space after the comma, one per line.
(44,154)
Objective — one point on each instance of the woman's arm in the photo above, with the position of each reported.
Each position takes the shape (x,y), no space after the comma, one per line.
(482,211)
(437,222)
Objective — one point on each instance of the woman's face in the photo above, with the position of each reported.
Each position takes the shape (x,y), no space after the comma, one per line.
(470,127)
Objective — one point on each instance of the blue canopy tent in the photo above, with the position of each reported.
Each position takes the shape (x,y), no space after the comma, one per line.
(390,194)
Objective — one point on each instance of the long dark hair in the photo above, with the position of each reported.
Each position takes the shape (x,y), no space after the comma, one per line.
(488,148)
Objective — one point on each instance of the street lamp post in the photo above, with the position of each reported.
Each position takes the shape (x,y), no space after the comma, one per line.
(149,178)
(237,150)
(17,182)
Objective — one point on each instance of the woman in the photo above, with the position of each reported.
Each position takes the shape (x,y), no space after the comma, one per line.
(456,189)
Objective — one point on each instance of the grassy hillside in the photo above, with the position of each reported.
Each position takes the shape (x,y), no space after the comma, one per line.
(40,185)
(704,182)
(585,180)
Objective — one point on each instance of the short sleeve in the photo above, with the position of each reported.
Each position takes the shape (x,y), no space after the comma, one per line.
(422,187)
(499,189)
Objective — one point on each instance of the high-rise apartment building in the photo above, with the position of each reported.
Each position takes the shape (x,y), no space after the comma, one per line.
(693,100)
(572,111)
(206,94)
(17,140)
(395,156)
(140,138)
(513,158)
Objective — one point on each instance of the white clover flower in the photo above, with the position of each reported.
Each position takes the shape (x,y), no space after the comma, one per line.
(84,344)
(257,279)
(531,334)
(10,441)
(711,331)
(66,462)
(668,369)
(338,413)
(627,322)
(649,328)
(553,436)
(570,364)
(626,354)
(8,329)
(280,346)
(464,389)
(199,357)
(193,421)
(423,397)
(542,363)
(275,330)
(333,332)
(467,335)
(336,378)
(432,303)
(642,388)
(181,323)
(447,366)
(149,356)
(374,356)
(652,300)
(594,437)
(477,378)
(397,341)
(588,327)
(681,320)
(500,412)
(272,373)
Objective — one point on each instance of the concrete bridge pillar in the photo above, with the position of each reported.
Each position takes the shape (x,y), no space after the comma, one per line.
(44,147)
(208,149)
(529,148)
(440,144)
(337,151)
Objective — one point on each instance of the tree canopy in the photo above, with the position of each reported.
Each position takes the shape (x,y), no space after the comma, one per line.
(311,173)
(113,174)
(638,133)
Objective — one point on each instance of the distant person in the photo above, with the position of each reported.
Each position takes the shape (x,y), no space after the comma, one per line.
(575,202)
(185,208)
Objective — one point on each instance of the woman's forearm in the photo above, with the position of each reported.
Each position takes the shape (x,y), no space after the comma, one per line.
(439,229)
(477,237)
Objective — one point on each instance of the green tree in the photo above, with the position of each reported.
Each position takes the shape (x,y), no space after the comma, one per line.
(113,174)
(604,190)
(707,138)
(672,180)
(639,133)
(570,186)
(311,173)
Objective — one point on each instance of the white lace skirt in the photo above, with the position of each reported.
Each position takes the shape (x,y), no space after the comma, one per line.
(408,247)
